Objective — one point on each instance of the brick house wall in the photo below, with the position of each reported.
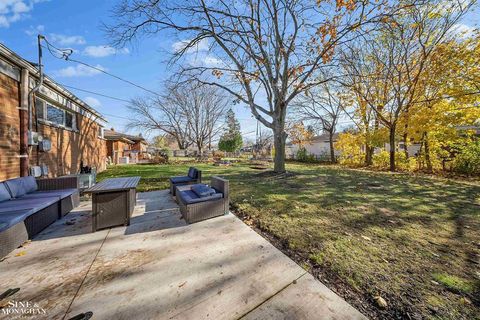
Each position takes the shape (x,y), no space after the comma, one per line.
(9,128)
(116,149)
(68,146)
(139,146)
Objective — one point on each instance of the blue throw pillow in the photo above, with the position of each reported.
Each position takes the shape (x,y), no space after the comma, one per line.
(16,187)
(4,194)
(202,190)
(30,184)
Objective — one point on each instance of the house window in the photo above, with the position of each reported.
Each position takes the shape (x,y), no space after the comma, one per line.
(68,120)
(55,115)
(100,132)
(39,108)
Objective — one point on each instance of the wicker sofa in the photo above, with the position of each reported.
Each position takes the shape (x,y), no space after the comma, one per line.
(195,208)
(194,176)
(27,206)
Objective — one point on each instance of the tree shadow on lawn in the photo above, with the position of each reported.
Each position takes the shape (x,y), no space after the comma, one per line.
(424,211)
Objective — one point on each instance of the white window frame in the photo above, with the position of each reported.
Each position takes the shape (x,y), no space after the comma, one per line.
(45,115)
(101,132)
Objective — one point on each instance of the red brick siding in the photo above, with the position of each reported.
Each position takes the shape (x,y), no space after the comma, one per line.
(9,128)
(115,149)
(68,147)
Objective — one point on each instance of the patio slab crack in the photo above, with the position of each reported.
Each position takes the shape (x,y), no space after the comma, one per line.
(86,274)
(269,298)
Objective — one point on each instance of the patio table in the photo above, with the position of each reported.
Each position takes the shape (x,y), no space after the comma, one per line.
(113,201)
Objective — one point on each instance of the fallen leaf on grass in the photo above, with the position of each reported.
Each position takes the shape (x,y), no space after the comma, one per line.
(366,238)
(381,303)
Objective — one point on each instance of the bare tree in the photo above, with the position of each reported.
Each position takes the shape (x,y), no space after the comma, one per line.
(263,143)
(191,113)
(323,104)
(386,67)
(203,108)
(159,114)
(263,52)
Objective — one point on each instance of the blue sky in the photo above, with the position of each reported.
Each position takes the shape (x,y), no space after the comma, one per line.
(76,24)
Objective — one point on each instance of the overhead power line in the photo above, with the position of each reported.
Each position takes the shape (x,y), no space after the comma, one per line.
(95,93)
(64,54)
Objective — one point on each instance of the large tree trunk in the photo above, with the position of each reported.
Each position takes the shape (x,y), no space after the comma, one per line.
(332,149)
(200,149)
(392,148)
(180,144)
(405,134)
(369,155)
(405,138)
(427,155)
(279,138)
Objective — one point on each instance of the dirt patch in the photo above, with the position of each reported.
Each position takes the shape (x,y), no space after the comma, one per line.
(123,266)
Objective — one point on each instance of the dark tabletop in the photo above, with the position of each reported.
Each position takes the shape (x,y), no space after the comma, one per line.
(114,184)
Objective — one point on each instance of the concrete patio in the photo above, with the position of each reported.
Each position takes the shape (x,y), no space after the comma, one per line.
(161,268)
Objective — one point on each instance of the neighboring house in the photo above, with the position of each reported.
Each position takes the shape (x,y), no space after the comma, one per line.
(50,131)
(125,148)
(475,129)
(413,148)
(319,146)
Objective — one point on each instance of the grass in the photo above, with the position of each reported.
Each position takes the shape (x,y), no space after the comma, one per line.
(454,283)
(413,240)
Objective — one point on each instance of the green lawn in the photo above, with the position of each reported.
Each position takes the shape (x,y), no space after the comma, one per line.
(415,241)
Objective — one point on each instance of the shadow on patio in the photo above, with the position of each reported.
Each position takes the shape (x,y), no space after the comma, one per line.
(161,268)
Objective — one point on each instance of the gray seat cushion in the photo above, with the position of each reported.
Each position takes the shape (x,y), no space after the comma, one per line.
(30,184)
(4,193)
(12,217)
(202,190)
(190,197)
(183,179)
(36,204)
(191,172)
(61,194)
(20,186)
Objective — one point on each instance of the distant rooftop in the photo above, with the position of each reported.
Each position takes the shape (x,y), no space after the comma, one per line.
(114,135)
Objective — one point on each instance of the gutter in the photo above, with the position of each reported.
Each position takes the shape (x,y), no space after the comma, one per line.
(21,63)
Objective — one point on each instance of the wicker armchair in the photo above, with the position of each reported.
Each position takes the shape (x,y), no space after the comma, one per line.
(198,211)
(194,176)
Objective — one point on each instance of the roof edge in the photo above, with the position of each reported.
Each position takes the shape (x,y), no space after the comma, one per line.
(20,62)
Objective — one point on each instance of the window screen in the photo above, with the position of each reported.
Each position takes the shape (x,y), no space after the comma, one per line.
(55,115)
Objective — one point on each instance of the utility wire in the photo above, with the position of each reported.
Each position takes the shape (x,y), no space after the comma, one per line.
(66,53)
(95,93)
